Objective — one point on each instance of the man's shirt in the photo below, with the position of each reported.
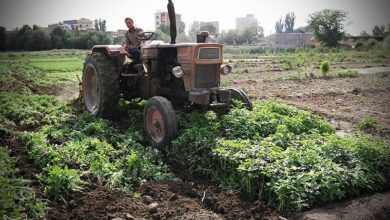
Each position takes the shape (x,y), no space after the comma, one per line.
(131,37)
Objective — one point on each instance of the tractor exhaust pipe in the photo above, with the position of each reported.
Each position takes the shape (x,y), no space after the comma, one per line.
(172,21)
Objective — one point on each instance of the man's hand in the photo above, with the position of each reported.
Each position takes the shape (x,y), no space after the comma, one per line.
(141,34)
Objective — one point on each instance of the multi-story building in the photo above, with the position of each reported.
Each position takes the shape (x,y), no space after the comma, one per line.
(244,22)
(162,17)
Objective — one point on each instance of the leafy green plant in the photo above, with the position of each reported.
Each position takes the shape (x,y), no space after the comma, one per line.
(287,157)
(61,180)
(324,68)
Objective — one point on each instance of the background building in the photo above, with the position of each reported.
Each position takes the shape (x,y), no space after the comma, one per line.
(244,22)
(162,17)
(82,24)
(294,39)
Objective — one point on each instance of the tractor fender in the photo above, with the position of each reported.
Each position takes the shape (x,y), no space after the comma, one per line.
(117,53)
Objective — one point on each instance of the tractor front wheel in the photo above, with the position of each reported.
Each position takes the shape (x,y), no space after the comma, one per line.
(239,95)
(159,121)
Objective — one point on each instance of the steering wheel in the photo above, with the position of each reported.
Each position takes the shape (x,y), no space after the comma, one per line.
(146,36)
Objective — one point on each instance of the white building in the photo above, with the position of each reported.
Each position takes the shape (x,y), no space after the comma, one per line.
(244,22)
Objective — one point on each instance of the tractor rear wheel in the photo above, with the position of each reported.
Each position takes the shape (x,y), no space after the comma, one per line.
(239,95)
(159,121)
(100,85)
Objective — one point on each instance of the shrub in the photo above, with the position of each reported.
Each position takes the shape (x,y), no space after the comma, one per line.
(386,43)
(359,43)
(368,125)
(371,43)
(324,68)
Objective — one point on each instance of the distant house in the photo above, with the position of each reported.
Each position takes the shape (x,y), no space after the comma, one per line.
(294,39)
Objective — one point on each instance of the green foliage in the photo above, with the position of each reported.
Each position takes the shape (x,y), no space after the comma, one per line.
(112,154)
(378,31)
(288,157)
(61,180)
(3,39)
(279,25)
(289,21)
(248,35)
(359,43)
(348,74)
(31,110)
(368,125)
(18,198)
(324,68)
(328,26)
(371,43)
(386,43)
(33,39)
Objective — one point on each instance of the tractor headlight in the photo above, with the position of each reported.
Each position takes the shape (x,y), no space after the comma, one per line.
(178,71)
(226,69)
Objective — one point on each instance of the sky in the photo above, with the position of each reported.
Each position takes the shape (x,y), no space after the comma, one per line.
(362,14)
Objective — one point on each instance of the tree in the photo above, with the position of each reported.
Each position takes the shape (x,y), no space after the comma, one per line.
(327,26)
(57,37)
(364,34)
(102,25)
(3,39)
(209,28)
(250,34)
(182,27)
(289,22)
(164,28)
(194,30)
(163,32)
(378,31)
(279,25)
(96,24)
(304,29)
(230,37)
(37,40)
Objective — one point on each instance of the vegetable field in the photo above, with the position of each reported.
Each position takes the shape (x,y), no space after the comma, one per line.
(316,135)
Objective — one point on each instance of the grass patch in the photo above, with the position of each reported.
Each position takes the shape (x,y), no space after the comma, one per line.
(348,74)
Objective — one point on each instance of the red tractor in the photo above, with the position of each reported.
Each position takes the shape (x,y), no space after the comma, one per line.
(172,75)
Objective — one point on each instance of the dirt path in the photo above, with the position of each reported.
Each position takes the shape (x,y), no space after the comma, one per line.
(369,207)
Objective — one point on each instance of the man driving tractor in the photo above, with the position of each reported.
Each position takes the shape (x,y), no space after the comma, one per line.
(132,45)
